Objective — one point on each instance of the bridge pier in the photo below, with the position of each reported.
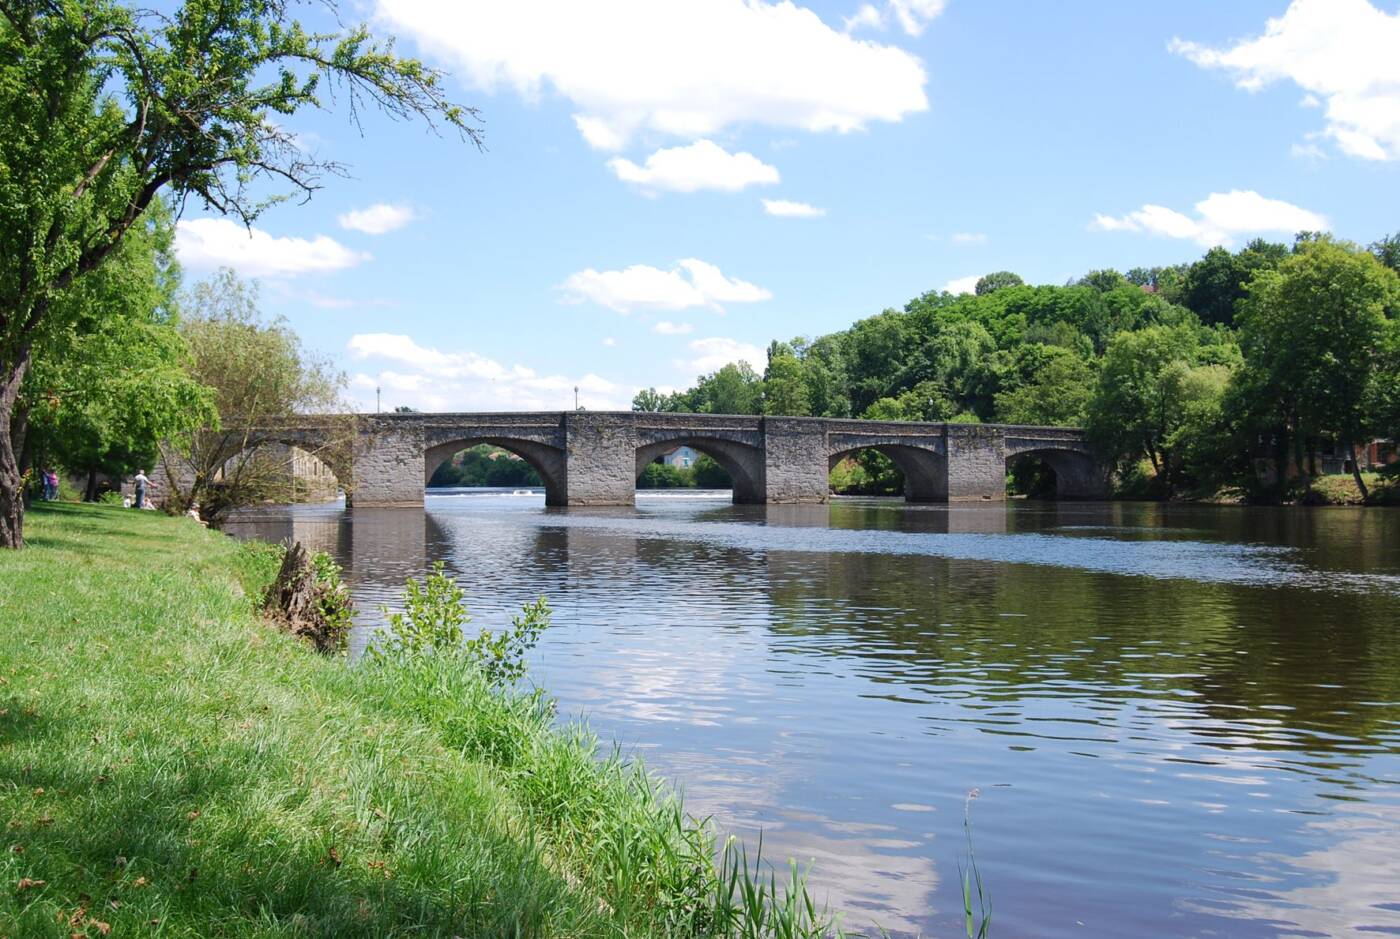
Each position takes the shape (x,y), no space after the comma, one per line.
(794,460)
(976,463)
(388,463)
(600,458)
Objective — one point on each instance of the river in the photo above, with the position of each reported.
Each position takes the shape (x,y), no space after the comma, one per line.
(1163,720)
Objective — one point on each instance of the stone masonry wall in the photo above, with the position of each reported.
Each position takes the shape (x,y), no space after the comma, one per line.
(389,462)
(600,458)
(976,463)
(794,460)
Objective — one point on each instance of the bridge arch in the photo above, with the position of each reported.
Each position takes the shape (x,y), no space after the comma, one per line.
(742,461)
(336,459)
(1078,475)
(546,459)
(925,469)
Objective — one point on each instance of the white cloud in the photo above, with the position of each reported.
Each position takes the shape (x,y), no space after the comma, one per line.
(963,284)
(691,283)
(718,351)
(1341,52)
(867,17)
(688,68)
(378,218)
(221,242)
(969,239)
(609,342)
(430,379)
(1219,218)
(786,209)
(912,15)
(666,328)
(702,165)
(1308,151)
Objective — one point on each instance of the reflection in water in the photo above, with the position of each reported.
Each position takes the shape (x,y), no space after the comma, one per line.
(1183,721)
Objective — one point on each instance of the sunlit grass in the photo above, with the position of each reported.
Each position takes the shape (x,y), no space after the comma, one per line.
(170,766)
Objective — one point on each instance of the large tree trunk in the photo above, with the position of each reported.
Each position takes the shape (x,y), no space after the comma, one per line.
(11,480)
(91,494)
(1356,472)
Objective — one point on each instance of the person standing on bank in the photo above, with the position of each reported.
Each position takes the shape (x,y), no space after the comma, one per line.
(141,483)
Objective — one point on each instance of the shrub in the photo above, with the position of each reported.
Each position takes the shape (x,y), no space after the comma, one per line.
(433,622)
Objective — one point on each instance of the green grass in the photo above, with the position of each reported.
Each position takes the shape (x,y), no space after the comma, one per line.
(1340,489)
(170,766)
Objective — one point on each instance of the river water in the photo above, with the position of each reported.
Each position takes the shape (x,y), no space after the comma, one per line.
(1171,720)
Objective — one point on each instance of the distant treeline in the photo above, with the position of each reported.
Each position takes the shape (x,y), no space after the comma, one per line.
(1228,373)
(704,473)
(485,465)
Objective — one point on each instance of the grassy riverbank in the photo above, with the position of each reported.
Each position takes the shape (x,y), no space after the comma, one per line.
(169,765)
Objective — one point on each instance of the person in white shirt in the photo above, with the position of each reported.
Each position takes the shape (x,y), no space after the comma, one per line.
(141,483)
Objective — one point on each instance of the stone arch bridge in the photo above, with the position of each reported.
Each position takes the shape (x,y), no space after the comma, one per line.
(595,457)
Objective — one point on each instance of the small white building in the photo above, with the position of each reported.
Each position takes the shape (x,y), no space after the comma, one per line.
(681,457)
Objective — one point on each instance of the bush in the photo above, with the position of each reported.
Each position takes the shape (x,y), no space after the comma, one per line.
(432,623)
(665,476)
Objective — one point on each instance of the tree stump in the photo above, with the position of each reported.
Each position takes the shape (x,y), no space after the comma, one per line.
(294,601)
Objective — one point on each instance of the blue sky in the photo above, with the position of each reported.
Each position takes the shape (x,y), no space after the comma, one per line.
(669,184)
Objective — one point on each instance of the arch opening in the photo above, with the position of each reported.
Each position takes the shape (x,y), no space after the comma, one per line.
(1055,473)
(545,460)
(920,474)
(742,463)
(283,471)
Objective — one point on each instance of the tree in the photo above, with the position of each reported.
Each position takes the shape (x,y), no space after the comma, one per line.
(784,385)
(1313,330)
(260,375)
(648,399)
(103,392)
(1387,251)
(996,280)
(1102,280)
(1215,285)
(1055,393)
(734,389)
(105,106)
(1139,401)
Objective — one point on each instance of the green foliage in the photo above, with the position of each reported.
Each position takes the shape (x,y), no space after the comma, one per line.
(109,380)
(1387,251)
(333,600)
(784,385)
(866,473)
(1056,390)
(260,374)
(1216,285)
(256,564)
(997,280)
(1315,334)
(433,623)
(734,389)
(666,476)
(106,105)
(708,474)
(484,465)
